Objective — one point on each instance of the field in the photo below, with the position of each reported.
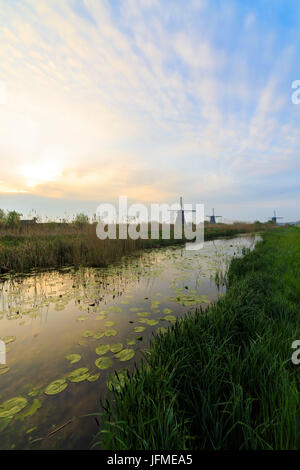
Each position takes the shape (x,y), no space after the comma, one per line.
(223,378)
(53,245)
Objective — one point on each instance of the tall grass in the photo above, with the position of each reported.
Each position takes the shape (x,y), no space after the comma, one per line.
(222,378)
(53,244)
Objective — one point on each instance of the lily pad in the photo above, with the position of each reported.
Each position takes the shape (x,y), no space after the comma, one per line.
(170,318)
(11,407)
(143,314)
(130,342)
(93,378)
(99,335)
(55,387)
(148,322)
(139,329)
(115,348)
(3,369)
(73,358)
(36,405)
(82,318)
(8,339)
(125,355)
(109,323)
(88,334)
(79,375)
(102,349)
(104,363)
(110,332)
(166,311)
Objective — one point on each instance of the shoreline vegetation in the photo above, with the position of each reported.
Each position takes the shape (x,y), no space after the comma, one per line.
(221,378)
(54,245)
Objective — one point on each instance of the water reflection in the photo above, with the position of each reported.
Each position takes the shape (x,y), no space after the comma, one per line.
(67,331)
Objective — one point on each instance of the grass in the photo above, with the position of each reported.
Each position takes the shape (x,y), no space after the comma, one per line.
(223,378)
(52,245)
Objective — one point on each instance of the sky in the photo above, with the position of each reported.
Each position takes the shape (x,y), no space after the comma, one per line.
(152,99)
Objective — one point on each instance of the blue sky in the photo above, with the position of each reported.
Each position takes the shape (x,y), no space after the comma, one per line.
(150,99)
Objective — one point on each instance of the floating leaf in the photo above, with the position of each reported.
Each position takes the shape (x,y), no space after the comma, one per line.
(11,407)
(73,358)
(88,334)
(103,363)
(139,329)
(125,355)
(93,378)
(57,386)
(34,392)
(82,318)
(79,375)
(99,335)
(148,322)
(143,314)
(8,339)
(130,342)
(116,381)
(166,311)
(102,349)
(170,318)
(3,369)
(110,332)
(109,323)
(162,330)
(115,348)
(36,405)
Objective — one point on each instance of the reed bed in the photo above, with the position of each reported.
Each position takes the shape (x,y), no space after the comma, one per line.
(221,378)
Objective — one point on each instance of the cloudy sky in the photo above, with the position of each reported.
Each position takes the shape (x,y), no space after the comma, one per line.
(150,99)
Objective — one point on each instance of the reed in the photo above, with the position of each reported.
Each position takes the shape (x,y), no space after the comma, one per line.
(221,378)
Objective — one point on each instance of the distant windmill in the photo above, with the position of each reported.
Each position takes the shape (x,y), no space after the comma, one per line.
(274,218)
(212,218)
(181,211)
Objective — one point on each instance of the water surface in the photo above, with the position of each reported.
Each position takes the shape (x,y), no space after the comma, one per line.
(47,316)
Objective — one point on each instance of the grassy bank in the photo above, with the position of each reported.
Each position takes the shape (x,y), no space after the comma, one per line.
(222,379)
(55,245)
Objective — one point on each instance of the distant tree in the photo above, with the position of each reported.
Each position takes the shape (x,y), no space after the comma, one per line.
(81,219)
(13,218)
(2,217)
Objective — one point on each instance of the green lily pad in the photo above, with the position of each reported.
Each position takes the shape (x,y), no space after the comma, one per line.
(88,334)
(8,339)
(109,323)
(79,375)
(115,348)
(3,369)
(110,332)
(125,355)
(11,407)
(162,330)
(130,342)
(143,314)
(36,405)
(34,392)
(82,318)
(166,311)
(55,387)
(104,363)
(99,335)
(116,382)
(139,329)
(73,358)
(102,349)
(148,322)
(170,318)
(93,378)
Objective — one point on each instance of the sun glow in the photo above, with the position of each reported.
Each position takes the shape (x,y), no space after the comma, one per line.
(47,168)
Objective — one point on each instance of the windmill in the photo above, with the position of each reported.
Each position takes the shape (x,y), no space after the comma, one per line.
(212,218)
(274,218)
(181,211)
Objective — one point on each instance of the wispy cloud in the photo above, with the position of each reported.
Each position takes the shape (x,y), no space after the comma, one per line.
(148,98)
